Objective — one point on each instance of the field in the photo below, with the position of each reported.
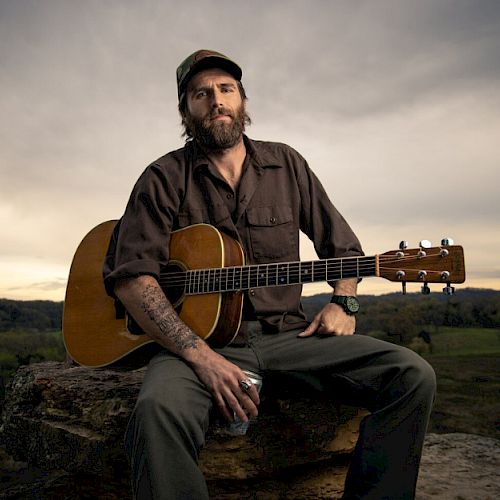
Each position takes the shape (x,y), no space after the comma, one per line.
(467,365)
(23,347)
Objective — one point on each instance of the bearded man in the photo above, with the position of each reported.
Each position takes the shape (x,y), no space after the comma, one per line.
(261,194)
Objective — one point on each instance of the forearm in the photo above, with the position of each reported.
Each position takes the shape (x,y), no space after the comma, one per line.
(346,287)
(145,301)
(147,304)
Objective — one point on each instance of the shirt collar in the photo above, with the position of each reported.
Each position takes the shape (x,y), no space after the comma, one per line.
(260,153)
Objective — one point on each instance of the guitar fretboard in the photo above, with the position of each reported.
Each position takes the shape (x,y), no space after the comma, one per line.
(230,279)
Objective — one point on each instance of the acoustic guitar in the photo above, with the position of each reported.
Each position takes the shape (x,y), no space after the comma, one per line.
(205,280)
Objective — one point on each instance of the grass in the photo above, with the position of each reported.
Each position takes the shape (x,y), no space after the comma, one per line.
(20,347)
(464,342)
(467,366)
(467,395)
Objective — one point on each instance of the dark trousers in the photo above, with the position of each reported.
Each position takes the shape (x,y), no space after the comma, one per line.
(167,428)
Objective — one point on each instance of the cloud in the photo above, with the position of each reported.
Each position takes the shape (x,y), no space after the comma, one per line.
(45,286)
(394,104)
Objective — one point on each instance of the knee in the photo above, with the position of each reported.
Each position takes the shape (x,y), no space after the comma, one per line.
(419,374)
(168,412)
(158,406)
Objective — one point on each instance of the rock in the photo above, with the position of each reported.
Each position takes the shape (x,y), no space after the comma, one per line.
(459,466)
(66,423)
(63,426)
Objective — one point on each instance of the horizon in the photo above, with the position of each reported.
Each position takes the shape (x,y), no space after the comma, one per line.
(326,292)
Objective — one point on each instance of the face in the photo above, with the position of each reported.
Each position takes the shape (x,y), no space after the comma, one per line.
(215,111)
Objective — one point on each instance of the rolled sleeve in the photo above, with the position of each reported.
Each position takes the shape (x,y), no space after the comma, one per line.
(140,242)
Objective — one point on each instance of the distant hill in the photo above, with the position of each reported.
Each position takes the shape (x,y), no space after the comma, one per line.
(393,313)
(36,315)
(469,307)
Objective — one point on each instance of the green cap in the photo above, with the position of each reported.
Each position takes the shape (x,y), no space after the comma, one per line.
(204,59)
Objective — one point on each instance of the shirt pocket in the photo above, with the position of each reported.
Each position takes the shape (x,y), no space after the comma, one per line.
(271,230)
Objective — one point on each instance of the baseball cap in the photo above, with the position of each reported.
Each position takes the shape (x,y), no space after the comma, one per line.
(204,59)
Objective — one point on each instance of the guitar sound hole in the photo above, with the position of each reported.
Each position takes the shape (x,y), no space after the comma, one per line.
(174,292)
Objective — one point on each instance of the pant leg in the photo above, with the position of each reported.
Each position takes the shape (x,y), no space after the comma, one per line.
(393,382)
(166,432)
(167,428)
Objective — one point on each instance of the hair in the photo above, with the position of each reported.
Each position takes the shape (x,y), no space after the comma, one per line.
(183,110)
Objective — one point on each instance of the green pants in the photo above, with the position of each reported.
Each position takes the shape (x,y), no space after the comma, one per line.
(168,425)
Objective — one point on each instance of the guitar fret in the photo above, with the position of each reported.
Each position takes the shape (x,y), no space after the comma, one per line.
(214,280)
(306,275)
(217,274)
(237,278)
(294,273)
(282,269)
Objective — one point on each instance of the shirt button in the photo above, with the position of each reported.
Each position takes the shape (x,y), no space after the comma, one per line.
(252,292)
(272,220)
(229,196)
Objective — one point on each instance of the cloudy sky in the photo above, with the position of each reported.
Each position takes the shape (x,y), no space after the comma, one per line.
(395,104)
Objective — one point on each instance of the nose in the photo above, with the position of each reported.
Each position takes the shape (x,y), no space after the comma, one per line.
(217,99)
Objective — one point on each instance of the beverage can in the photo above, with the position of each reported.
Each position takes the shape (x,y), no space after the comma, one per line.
(238,427)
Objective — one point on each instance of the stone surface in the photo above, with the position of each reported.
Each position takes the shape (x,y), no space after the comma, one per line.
(459,466)
(66,424)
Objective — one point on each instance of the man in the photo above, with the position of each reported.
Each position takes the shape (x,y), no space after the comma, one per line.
(261,194)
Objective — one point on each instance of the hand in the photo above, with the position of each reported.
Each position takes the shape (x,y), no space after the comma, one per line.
(222,378)
(332,320)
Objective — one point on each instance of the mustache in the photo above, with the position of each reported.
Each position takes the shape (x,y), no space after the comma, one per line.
(221,111)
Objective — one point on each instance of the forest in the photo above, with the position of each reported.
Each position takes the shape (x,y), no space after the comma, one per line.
(393,313)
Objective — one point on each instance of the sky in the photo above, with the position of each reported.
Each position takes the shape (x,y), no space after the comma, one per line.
(394,103)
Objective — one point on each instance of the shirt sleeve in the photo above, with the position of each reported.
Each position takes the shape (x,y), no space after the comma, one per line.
(322,222)
(140,242)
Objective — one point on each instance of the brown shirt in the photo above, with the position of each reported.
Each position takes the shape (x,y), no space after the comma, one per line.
(278,195)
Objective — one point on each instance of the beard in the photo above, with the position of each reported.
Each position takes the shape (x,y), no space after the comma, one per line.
(217,135)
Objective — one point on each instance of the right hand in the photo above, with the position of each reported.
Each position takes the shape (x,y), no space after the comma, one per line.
(222,378)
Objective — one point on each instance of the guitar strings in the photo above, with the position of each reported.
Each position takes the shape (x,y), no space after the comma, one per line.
(292,270)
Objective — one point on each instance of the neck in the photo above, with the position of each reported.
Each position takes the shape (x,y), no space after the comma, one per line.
(229,162)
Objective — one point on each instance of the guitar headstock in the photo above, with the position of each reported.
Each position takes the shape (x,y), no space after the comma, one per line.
(443,264)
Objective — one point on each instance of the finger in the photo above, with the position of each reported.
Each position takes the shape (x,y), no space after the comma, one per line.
(239,400)
(311,328)
(249,401)
(223,407)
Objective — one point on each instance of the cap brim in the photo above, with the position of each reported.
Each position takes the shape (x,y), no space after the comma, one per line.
(210,62)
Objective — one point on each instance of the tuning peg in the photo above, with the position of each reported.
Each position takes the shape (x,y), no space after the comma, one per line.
(403,245)
(425,289)
(448,289)
(425,244)
(446,242)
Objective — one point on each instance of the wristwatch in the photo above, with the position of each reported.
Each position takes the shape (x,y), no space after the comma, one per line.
(349,303)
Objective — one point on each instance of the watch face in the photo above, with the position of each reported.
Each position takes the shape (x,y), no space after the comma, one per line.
(352,304)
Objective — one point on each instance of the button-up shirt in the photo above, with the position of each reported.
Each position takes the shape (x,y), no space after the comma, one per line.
(278,196)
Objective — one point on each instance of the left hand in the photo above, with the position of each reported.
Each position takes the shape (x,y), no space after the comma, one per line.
(331,320)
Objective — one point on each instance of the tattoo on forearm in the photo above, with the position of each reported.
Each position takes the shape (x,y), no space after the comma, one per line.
(164,316)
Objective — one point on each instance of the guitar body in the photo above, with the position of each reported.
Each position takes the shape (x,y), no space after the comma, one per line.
(94,336)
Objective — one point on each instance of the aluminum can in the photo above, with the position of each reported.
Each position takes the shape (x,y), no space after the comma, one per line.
(237,427)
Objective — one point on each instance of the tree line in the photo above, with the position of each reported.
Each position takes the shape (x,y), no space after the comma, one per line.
(406,316)
(30,315)
(391,313)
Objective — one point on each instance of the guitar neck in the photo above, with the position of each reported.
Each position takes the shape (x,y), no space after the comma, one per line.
(231,279)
